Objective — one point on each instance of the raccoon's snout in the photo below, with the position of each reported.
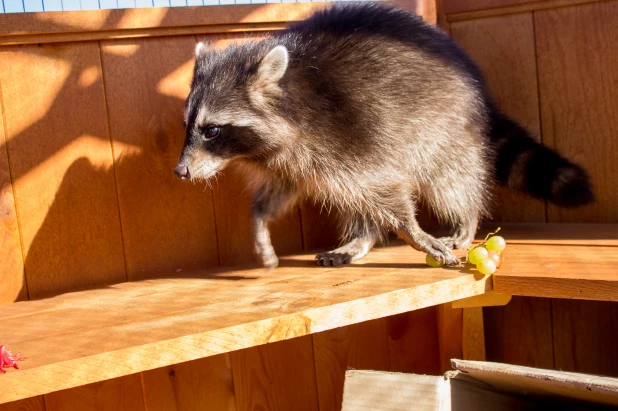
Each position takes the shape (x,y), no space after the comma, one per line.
(182,172)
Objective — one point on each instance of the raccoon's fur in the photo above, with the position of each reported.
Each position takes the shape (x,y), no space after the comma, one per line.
(367,109)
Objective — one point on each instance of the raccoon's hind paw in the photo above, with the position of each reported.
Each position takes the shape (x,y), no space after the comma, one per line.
(442,254)
(352,251)
(455,242)
(424,242)
(333,258)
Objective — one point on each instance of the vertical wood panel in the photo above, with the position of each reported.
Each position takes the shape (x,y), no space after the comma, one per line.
(586,336)
(31,404)
(577,59)
(261,375)
(503,47)
(61,163)
(320,228)
(119,394)
(458,6)
(520,332)
(204,384)
(277,376)
(168,225)
(361,346)
(232,200)
(12,267)
(473,334)
(413,342)
(450,321)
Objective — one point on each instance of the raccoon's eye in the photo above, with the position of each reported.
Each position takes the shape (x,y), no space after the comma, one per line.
(212,132)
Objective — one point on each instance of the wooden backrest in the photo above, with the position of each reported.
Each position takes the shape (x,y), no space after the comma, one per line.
(552,66)
(90,131)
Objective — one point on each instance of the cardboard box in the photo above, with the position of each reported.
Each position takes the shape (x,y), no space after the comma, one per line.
(477,385)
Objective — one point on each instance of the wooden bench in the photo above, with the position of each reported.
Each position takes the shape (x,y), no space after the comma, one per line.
(85,337)
(169,317)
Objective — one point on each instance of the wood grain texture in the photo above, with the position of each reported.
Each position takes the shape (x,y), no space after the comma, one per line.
(12,275)
(473,334)
(320,227)
(450,333)
(577,59)
(167,321)
(61,165)
(13,40)
(503,47)
(90,25)
(585,336)
(168,225)
(520,333)
(413,342)
(204,384)
(279,376)
(30,404)
(489,299)
(581,272)
(456,10)
(120,394)
(361,346)
(458,6)
(554,233)
(150,18)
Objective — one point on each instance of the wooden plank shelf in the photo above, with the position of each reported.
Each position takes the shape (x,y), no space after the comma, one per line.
(576,261)
(89,336)
(84,337)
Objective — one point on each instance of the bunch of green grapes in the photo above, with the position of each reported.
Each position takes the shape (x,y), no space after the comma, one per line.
(484,256)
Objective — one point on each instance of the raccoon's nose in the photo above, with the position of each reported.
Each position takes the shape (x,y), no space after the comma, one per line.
(182,172)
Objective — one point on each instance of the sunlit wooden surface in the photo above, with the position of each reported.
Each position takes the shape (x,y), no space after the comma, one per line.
(84,337)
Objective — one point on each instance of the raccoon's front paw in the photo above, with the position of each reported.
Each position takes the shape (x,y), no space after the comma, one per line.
(440,252)
(456,243)
(334,259)
(268,259)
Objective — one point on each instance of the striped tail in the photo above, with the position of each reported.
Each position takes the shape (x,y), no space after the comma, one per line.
(525,165)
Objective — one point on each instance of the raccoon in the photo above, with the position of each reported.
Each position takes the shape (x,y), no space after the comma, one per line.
(369,110)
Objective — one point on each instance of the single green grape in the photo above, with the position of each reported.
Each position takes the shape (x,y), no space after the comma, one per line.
(477,255)
(486,267)
(432,262)
(496,243)
(495,257)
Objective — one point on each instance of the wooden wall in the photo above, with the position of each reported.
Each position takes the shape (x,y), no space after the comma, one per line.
(90,131)
(552,66)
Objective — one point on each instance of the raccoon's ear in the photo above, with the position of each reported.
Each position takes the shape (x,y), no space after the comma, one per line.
(273,66)
(202,48)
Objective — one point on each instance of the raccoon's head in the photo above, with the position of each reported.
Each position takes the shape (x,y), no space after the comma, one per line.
(231,111)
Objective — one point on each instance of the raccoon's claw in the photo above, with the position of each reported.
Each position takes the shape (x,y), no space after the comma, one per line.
(455,243)
(333,259)
(444,255)
(438,250)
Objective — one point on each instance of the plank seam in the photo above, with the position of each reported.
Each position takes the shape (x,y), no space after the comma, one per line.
(8,158)
(111,144)
(513,9)
(538,97)
(553,334)
(214,213)
(143,390)
(315,370)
